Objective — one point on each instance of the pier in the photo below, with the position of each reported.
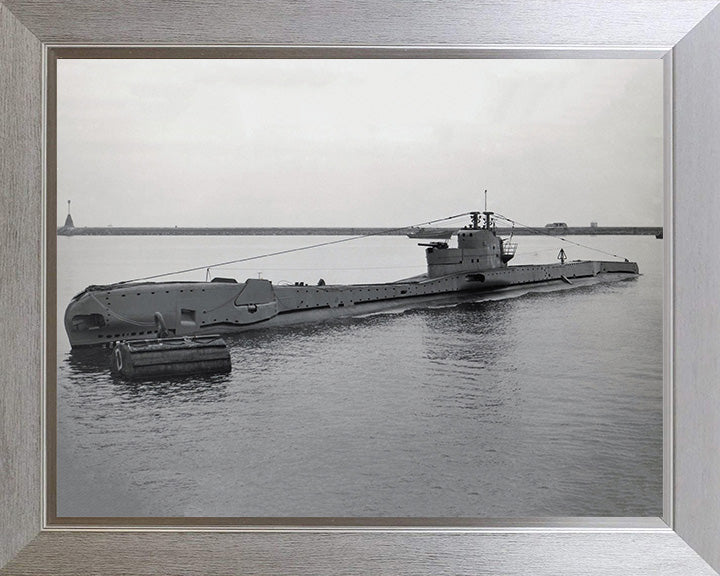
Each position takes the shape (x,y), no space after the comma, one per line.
(354,231)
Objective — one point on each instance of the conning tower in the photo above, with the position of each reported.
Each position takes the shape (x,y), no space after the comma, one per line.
(479,248)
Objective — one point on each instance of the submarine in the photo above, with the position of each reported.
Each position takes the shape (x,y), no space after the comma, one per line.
(139,310)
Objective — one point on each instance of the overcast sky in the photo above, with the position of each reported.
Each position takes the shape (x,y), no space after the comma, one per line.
(358,142)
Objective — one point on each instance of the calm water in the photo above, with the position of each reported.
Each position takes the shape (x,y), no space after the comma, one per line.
(544,403)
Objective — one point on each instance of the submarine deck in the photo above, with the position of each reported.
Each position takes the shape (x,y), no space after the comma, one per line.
(104,314)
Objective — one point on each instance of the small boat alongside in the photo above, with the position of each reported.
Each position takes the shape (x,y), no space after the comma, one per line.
(128,312)
(153,358)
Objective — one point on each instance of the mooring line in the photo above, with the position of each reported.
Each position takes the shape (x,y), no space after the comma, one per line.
(290,250)
(542,232)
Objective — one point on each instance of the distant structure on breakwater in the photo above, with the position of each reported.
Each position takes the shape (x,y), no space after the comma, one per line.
(69,225)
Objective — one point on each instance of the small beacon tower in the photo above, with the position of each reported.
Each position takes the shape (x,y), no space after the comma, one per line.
(69,221)
(69,228)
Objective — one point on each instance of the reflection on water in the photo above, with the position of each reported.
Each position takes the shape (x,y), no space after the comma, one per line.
(87,360)
(526,403)
(184,389)
(465,386)
(90,368)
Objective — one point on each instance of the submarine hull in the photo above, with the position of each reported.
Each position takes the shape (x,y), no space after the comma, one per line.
(102,315)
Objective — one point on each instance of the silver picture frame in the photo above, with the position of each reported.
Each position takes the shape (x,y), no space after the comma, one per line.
(685,34)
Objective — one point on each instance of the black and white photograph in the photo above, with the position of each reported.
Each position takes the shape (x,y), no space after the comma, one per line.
(359,288)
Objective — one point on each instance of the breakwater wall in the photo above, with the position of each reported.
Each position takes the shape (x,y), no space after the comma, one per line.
(279,231)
